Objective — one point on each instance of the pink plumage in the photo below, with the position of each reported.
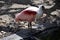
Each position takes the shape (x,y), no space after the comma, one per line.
(28,14)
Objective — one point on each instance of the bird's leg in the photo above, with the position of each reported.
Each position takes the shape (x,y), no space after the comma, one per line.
(30,28)
(29,25)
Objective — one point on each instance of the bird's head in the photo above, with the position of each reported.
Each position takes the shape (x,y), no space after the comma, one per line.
(41,11)
(42,8)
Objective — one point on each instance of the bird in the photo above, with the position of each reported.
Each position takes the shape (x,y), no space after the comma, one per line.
(29,14)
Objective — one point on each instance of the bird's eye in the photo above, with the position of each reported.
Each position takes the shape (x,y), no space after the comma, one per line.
(43,8)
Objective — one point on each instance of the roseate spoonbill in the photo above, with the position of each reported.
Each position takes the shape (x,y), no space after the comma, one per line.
(29,14)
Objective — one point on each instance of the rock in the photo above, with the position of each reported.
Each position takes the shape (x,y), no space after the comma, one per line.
(2,2)
(24,33)
(44,15)
(6,18)
(13,10)
(3,32)
(56,13)
(22,23)
(0,34)
(19,6)
(26,27)
(33,23)
(4,7)
(26,24)
(12,37)
(48,7)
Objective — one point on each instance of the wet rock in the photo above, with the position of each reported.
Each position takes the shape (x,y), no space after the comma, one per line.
(24,33)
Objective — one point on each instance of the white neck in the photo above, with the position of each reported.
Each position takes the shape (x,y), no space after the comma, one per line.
(40,11)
